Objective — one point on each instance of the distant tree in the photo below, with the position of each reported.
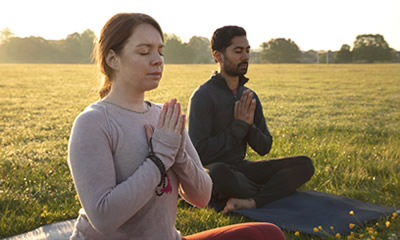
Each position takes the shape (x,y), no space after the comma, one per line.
(27,50)
(396,56)
(344,55)
(280,50)
(5,34)
(177,52)
(310,56)
(371,48)
(255,56)
(322,57)
(77,48)
(200,50)
(88,39)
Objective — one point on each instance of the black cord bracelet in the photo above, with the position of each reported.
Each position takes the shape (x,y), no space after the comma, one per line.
(157,161)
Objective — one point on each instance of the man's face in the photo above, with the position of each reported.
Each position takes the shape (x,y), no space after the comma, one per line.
(235,60)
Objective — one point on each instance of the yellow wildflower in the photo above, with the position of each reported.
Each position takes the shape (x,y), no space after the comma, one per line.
(395,214)
(320,228)
(350,237)
(332,228)
(297,234)
(316,229)
(351,225)
(337,235)
(351,212)
(361,235)
(387,223)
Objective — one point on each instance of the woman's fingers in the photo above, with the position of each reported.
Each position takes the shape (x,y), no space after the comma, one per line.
(171,118)
(170,112)
(181,124)
(175,115)
(161,120)
(149,130)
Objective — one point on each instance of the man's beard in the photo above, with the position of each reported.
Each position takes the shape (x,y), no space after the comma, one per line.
(237,70)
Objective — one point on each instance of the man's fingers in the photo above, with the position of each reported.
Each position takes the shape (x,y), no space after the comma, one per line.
(247,99)
(250,98)
(236,110)
(252,106)
(244,108)
(244,97)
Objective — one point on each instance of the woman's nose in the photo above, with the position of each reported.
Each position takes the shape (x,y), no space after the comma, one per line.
(158,59)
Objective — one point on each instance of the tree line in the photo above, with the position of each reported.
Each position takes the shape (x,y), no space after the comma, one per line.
(367,48)
(77,48)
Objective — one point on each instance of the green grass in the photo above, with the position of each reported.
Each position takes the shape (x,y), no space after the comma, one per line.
(346,117)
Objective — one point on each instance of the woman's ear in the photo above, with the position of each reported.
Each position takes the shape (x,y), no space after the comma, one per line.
(112,60)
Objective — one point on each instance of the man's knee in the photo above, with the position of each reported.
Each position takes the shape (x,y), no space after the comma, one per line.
(308,165)
(219,172)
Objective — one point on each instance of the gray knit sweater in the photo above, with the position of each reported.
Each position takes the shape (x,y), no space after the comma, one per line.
(116,182)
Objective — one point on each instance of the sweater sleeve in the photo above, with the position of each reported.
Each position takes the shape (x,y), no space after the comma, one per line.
(195,184)
(107,204)
(201,118)
(259,137)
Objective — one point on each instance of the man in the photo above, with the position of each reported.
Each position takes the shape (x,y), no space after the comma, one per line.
(225,116)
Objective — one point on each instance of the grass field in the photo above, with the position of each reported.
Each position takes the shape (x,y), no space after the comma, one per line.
(346,117)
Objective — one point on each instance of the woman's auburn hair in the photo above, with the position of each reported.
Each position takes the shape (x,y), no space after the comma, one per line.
(114,36)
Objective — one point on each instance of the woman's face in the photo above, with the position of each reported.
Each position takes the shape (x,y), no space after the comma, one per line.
(141,61)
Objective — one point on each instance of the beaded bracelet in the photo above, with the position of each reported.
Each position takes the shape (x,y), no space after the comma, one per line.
(157,161)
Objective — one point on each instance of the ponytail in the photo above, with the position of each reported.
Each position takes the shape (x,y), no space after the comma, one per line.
(105,87)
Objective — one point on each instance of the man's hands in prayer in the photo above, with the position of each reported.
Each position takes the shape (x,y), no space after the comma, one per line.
(245,107)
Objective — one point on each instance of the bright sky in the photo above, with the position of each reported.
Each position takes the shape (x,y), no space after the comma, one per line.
(312,24)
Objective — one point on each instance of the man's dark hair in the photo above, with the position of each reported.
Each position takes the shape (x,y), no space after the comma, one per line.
(222,37)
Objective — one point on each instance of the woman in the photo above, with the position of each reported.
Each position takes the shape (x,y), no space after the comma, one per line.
(130,157)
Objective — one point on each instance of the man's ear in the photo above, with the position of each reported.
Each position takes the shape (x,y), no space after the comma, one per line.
(112,60)
(217,56)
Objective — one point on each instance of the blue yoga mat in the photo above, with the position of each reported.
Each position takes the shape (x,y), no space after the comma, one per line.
(304,210)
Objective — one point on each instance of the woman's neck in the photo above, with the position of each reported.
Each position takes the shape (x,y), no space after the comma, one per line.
(127,99)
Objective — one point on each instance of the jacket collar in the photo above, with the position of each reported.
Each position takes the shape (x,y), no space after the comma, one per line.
(220,81)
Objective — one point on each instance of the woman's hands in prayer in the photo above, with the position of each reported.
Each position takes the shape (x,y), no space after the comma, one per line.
(171,119)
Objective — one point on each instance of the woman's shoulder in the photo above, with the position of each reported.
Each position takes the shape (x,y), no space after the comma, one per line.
(95,112)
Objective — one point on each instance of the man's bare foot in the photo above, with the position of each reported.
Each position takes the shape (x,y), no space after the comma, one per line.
(239,203)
